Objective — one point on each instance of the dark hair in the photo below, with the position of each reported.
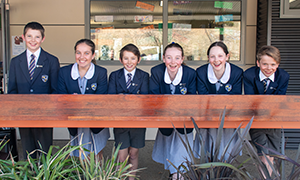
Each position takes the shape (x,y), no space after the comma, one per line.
(176,45)
(131,48)
(270,51)
(87,42)
(35,26)
(220,44)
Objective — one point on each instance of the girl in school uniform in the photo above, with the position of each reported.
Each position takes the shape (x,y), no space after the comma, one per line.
(83,77)
(172,77)
(218,77)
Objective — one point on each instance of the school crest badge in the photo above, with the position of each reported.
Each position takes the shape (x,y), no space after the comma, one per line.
(44,78)
(183,89)
(228,87)
(94,86)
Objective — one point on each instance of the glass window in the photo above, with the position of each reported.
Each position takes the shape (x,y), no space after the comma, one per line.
(290,8)
(117,23)
(294,4)
(197,24)
(192,24)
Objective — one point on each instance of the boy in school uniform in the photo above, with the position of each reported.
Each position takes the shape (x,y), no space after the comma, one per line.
(129,80)
(34,72)
(266,78)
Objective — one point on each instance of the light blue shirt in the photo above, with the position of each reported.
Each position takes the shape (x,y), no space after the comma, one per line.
(82,81)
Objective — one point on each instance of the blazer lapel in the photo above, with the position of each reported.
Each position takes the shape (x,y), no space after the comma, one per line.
(24,66)
(122,80)
(134,88)
(76,87)
(39,66)
(272,87)
(259,86)
(212,88)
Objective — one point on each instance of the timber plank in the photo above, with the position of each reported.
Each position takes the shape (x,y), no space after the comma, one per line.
(269,111)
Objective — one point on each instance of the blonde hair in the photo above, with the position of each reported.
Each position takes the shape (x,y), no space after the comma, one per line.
(270,51)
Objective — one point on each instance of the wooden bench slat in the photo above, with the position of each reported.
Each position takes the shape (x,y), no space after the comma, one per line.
(269,111)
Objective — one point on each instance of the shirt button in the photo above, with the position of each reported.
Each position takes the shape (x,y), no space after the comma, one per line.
(31,90)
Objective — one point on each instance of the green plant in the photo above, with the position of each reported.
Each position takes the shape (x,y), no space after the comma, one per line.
(211,167)
(61,166)
(278,167)
(47,166)
(91,168)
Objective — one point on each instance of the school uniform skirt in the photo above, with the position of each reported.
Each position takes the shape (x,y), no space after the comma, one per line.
(96,142)
(210,136)
(171,148)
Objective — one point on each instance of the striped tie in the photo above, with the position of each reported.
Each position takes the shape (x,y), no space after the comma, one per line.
(265,81)
(128,84)
(32,66)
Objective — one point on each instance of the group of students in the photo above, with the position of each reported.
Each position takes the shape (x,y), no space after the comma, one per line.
(40,74)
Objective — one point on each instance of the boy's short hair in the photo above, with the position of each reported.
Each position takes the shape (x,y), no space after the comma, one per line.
(131,48)
(35,26)
(270,51)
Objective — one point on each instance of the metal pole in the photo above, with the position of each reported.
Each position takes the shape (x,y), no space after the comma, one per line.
(87,27)
(165,23)
(5,42)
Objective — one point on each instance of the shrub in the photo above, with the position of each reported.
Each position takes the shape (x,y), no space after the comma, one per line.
(61,166)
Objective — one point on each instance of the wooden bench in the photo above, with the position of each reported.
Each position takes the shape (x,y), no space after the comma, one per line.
(150,111)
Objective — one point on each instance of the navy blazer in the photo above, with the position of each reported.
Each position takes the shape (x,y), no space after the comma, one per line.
(158,86)
(66,85)
(139,85)
(233,86)
(253,85)
(44,78)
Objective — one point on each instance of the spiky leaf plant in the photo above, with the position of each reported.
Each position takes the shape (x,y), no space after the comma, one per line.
(61,166)
(211,167)
(92,168)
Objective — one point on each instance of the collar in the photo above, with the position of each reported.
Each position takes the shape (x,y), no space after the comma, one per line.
(262,76)
(177,79)
(36,53)
(132,73)
(88,75)
(212,77)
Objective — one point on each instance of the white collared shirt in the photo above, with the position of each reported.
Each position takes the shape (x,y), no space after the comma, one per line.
(262,77)
(132,74)
(36,54)
(177,78)
(212,77)
(82,81)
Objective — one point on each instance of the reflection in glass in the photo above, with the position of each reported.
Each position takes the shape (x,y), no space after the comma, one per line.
(192,24)
(117,23)
(294,4)
(197,24)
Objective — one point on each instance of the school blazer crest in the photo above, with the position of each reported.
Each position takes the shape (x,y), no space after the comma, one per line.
(44,78)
